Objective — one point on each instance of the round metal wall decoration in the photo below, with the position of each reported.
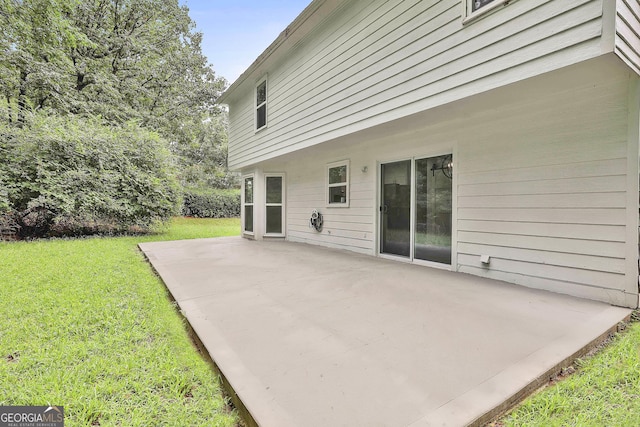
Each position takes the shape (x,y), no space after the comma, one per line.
(315,221)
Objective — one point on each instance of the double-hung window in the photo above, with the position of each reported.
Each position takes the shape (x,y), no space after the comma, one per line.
(338,184)
(261,105)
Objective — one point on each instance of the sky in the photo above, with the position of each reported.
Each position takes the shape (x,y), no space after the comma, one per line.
(236,32)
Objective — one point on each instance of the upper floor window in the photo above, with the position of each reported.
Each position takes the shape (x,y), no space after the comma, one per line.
(474,9)
(477,4)
(261,104)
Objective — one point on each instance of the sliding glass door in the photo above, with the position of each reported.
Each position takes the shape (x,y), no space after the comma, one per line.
(432,236)
(396,208)
(416,208)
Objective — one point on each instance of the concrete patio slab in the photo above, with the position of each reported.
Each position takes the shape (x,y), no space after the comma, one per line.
(310,336)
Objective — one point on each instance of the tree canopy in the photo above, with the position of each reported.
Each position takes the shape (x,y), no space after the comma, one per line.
(121,59)
(118,64)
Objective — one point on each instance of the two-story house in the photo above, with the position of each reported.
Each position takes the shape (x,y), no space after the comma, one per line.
(498,138)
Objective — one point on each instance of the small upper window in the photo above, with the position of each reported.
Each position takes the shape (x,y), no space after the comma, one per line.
(474,9)
(477,4)
(338,184)
(261,105)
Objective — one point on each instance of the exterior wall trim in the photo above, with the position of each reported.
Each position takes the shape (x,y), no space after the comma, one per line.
(633,187)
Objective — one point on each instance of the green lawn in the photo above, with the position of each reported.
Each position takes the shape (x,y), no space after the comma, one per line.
(87,325)
(604,391)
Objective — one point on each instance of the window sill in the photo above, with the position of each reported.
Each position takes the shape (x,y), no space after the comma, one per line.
(337,205)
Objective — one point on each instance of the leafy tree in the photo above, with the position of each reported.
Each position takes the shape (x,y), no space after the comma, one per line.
(121,59)
(201,149)
(118,66)
(143,55)
(33,64)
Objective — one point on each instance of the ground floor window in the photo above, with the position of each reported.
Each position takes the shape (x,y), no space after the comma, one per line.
(274,207)
(247,204)
(338,184)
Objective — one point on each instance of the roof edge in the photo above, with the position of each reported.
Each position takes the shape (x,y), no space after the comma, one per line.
(296,25)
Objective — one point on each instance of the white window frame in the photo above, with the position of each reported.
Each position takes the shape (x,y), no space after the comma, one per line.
(281,204)
(346,184)
(244,204)
(257,107)
(469,15)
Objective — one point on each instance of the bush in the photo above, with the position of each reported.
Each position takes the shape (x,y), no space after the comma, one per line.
(72,175)
(211,203)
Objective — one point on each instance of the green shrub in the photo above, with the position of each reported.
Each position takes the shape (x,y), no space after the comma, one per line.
(72,175)
(211,203)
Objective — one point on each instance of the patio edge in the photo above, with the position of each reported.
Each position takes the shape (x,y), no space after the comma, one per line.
(542,380)
(243,412)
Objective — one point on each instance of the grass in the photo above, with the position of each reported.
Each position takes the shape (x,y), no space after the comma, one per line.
(605,391)
(87,325)
(430,239)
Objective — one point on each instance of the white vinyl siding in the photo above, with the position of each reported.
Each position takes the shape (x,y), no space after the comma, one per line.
(542,190)
(627,39)
(350,228)
(377,61)
(540,185)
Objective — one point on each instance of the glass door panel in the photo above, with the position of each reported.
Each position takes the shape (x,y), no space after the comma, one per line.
(396,208)
(274,220)
(432,238)
(274,205)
